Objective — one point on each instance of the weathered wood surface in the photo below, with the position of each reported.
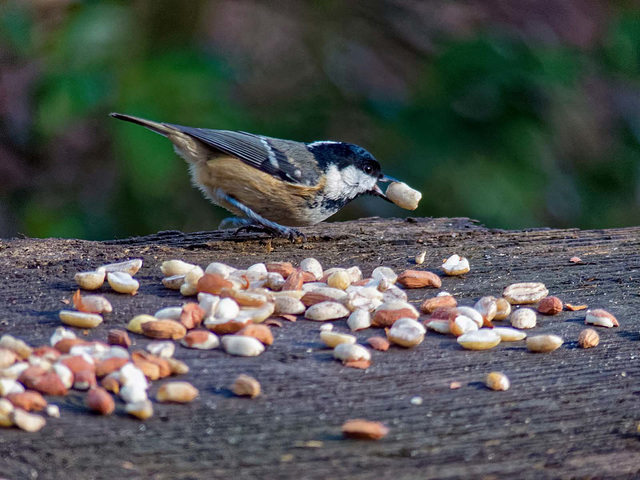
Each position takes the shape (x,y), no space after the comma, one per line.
(569,414)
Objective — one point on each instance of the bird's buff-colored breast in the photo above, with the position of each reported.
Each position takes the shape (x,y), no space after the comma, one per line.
(281,202)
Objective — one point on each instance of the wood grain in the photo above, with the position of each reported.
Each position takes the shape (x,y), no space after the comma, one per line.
(569,414)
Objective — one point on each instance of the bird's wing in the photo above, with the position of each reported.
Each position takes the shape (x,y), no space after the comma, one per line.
(255,150)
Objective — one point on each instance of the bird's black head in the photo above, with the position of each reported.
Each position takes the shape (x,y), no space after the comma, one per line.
(350,170)
(343,155)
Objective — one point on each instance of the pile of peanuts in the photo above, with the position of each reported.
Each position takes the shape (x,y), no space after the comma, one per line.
(235,308)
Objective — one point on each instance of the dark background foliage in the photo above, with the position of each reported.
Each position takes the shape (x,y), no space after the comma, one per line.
(519,113)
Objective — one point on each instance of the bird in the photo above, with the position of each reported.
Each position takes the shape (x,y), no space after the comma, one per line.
(271,184)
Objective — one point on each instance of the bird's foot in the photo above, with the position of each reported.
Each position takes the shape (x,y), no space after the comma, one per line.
(273,229)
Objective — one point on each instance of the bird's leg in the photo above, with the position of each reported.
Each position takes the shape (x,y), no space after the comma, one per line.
(255,222)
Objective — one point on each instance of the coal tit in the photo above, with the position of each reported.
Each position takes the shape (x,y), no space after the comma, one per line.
(272,184)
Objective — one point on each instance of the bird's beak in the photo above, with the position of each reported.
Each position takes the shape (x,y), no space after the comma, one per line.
(387,179)
(376,191)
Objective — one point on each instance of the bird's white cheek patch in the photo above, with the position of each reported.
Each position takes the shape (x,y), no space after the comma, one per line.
(356,181)
(347,183)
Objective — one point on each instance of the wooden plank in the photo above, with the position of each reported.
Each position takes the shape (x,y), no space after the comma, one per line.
(568,414)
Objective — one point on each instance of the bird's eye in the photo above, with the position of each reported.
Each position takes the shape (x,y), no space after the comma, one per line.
(368,169)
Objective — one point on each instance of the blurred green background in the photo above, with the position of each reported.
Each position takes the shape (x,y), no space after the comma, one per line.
(518,113)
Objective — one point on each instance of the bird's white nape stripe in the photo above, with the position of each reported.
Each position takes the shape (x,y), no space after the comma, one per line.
(272,156)
(347,183)
(322,142)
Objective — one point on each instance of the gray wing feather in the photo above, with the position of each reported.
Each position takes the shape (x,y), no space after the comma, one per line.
(255,150)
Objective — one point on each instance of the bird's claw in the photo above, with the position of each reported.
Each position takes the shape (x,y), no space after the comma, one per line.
(287,232)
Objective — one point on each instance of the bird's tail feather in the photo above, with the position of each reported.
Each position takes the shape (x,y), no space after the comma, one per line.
(160,128)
